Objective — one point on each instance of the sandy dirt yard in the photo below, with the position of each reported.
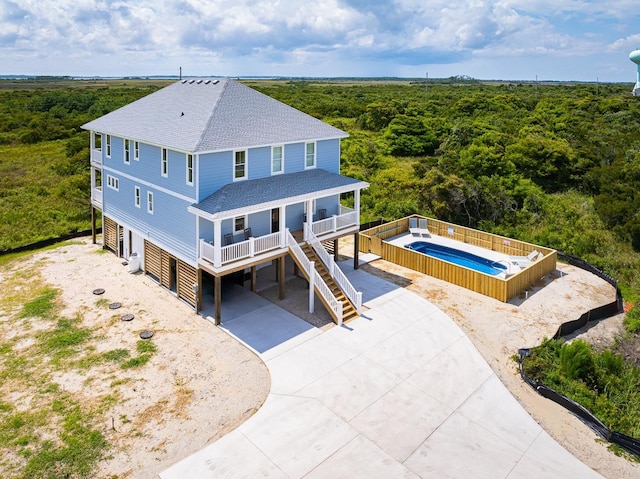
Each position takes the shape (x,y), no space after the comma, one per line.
(201,383)
(197,386)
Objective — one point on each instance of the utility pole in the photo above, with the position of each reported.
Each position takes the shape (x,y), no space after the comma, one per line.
(180,73)
(426,88)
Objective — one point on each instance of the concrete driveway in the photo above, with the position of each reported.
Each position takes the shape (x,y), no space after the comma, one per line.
(398,393)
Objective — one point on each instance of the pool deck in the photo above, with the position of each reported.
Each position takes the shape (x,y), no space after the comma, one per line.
(400,392)
(405,239)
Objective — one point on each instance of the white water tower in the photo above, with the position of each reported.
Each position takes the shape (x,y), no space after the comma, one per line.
(634,56)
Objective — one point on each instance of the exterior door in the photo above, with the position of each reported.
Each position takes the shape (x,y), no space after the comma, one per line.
(275,220)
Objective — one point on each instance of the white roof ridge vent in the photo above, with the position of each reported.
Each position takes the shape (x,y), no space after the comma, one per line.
(199,81)
(184,81)
(206,82)
(191,82)
(215,82)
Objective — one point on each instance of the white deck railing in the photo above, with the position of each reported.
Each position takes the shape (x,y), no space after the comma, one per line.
(96,194)
(346,218)
(242,250)
(315,280)
(336,273)
(96,156)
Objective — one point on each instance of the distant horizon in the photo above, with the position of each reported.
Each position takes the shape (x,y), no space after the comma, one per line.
(461,78)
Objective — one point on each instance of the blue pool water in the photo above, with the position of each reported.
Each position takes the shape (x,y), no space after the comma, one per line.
(459,257)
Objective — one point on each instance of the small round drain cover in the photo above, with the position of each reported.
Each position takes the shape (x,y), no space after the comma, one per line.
(146,334)
(126,317)
(115,305)
(98,291)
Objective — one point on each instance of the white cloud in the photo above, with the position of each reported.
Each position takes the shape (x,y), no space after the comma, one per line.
(333,37)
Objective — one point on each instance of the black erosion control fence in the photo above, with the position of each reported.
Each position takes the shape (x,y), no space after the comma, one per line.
(48,242)
(606,311)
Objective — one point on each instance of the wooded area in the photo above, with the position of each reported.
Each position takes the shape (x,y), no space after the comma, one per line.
(556,165)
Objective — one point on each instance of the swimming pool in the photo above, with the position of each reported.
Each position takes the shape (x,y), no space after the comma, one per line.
(459,257)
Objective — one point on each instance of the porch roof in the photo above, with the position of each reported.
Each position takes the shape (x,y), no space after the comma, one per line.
(243,197)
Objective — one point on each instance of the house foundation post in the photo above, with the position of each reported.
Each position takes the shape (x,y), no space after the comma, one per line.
(335,250)
(217,299)
(254,274)
(281,275)
(199,292)
(93,224)
(356,249)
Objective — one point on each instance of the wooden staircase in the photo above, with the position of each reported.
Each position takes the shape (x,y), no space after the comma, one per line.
(349,311)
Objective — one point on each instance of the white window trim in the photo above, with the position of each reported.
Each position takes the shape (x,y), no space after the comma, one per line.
(246,165)
(164,162)
(315,155)
(193,161)
(150,204)
(108,146)
(281,159)
(136,196)
(113,183)
(244,224)
(127,151)
(136,150)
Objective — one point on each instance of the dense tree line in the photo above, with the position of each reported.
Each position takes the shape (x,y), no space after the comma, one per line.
(555,164)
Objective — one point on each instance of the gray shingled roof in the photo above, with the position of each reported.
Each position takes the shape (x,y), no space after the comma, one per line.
(240,195)
(211,115)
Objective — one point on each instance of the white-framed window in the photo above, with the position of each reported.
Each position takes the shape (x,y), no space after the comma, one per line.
(239,224)
(97,141)
(127,151)
(108,152)
(189,169)
(239,165)
(137,196)
(136,150)
(277,159)
(309,155)
(149,202)
(164,163)
(113,182)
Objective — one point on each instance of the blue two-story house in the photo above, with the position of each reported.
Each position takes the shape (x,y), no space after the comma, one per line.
(208,177)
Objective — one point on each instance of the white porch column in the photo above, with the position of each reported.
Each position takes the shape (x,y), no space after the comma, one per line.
(356,205)
(283,226)
(217,243)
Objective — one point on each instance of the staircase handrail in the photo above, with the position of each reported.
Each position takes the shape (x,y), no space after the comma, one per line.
(336,273)
(314,278)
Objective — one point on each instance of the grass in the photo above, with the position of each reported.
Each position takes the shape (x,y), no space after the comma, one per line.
(40,307)
(602,382)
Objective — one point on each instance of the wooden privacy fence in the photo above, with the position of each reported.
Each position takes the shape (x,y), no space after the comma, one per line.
(503,289)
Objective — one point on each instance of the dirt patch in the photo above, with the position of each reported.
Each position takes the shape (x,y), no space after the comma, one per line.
(198,384)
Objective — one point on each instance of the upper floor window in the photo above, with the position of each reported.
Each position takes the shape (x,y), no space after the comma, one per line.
(97,141)
(137,196)
(310,155)
(108,152)
(277,163)
(164,169)
(127,151)
(136,150)
(149,202)
(189,169)
(113,182)
(240,165)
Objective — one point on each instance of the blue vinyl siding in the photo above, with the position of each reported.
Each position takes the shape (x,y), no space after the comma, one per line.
(294,216)
(161,227)
(259,162)
(328,155)
(294,158)
(215,171)
(329,203)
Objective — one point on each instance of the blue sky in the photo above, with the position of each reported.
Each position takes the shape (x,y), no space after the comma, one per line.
(508,39)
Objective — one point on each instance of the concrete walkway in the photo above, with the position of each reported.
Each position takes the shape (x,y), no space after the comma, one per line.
(398,393)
